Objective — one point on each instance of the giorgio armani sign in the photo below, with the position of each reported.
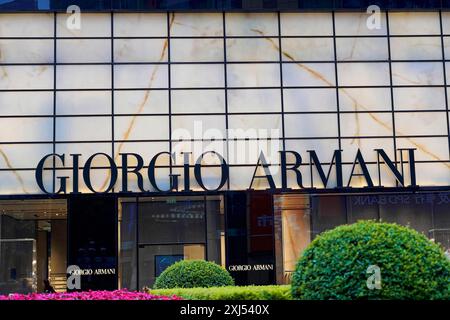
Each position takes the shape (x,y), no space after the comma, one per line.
(292,172)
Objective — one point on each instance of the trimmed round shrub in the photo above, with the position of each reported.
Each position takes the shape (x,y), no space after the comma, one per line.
(342,264)
(193,274)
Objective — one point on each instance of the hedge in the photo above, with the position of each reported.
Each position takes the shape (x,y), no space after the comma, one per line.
(335,265)
(229,293)
(192,274)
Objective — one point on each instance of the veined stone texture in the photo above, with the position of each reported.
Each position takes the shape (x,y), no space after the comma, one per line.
(142,82)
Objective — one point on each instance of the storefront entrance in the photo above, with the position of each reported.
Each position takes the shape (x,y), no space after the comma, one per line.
(33,245)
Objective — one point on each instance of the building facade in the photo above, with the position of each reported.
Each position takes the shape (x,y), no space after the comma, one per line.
(136,134)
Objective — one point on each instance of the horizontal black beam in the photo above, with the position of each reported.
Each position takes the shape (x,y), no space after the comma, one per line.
(218,5)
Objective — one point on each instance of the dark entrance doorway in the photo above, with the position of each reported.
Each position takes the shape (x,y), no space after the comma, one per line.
(92,225)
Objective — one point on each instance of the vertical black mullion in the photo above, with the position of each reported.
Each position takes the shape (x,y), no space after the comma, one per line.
(336,79)
(226,91)
(205,212)
(388,36)
(169,85)
(54,103)
(280,52)
(112,89)
(137,199)
(445,80)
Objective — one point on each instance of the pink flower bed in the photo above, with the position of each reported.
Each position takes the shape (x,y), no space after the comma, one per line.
(89,295)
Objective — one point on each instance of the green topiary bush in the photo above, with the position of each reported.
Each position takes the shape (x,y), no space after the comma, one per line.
(334,266)
(193,274)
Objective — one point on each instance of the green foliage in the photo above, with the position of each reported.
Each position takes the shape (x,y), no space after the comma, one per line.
(229,293)
(334,266)
(193,274)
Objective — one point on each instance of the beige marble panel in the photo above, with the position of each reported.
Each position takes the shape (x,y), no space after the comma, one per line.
(196,24)
(355,23)
(364,99)
(416,48)
(210,177)
(300,100)
(447,47)
(140,101)
(253,75)
(83,50)
(198,101)
(26,25)
(92,25)
(83,76)
(86,150)
(433,174)
(405,23)
(311,125)
(196,149)
(368,74)
(350,49)
(266,123)
(83,102)
(140,76)
(323,147)
(197,75)
(241,177)
(26,129)
(427,149)
(417,73)
(366,124)
(360,182)
(140,50)
(141,128)
(13,155)
(307,49)
(252,50)
(26,77)
(140,24)
(419,98)
(26,51)
(83,128)
(26,103)
(446,22)
(420,123)
(267,100)
(198,127)
(308,74)
(251,24)
(147,150)
(296,236)
(367,146)
(192,50)
(306,24)
(23,182)
(248,151)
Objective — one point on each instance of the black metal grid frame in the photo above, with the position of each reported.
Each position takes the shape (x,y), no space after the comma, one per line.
(226,88)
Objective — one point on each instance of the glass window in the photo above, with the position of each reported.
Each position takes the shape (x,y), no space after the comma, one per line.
(157,232)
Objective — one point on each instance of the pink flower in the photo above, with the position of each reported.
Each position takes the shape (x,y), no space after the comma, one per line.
(122,294)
